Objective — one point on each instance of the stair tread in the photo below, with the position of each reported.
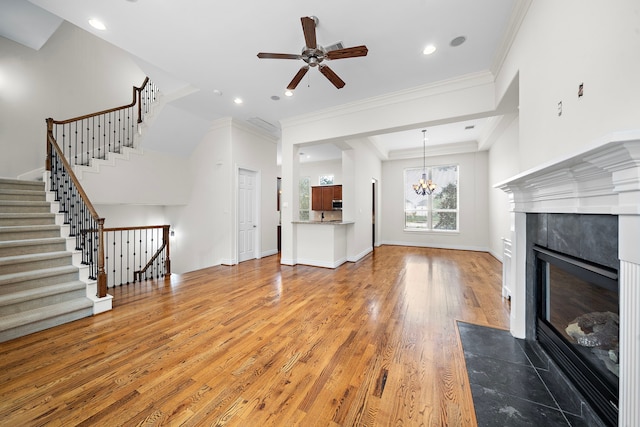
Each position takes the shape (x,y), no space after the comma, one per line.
(34,274)
(34,257)
(27,242)
(21,182)
(21,191)
(31,316)
(27,215)
(27,294)
(29,227)
(24,202)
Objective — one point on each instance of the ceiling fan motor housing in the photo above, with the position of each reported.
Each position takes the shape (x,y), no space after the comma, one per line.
(313,57)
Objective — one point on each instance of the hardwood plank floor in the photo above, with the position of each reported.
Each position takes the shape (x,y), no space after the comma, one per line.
(369,343)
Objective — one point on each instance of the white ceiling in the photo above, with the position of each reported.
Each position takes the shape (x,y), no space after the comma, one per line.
(204,45)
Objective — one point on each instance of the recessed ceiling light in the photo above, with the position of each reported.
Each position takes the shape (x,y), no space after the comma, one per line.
(97,24)
(458,41)
(237,100)
(275,98)
(288,93)
(217,92)
(429,49)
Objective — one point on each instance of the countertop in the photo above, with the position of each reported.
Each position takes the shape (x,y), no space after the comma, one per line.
(324,222)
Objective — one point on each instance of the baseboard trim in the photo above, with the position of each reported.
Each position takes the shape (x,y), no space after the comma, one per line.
(436,246)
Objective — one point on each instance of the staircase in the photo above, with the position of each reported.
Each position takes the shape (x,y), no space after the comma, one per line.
(39,285)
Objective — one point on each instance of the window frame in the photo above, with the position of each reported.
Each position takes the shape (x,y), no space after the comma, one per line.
(301,211)
(429,207)
(325,183)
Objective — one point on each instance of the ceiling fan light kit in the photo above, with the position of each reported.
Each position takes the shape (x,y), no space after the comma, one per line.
(313,55)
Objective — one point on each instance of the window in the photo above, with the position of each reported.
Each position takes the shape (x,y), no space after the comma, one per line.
(304,191)
(326,180)
(437,212)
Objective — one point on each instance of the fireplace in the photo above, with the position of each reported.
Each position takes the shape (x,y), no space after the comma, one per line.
(600,184)
(577,324)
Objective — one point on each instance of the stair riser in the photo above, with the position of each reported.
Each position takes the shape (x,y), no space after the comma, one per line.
(39,220)
(44,324)
(18,267)
(6,236)
(6,287)
(40,302)
(32,249)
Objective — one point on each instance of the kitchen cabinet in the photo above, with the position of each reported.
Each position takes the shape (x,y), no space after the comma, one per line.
(322,197)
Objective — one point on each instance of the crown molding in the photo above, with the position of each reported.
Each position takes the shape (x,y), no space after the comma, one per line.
(518,14)
(418,92)
(435,150)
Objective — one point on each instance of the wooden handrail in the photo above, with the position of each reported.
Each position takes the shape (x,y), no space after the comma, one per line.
(136,98)
(143,227)
(138,274)
(53,145)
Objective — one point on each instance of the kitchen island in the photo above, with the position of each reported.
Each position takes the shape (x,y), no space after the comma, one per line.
(321,243)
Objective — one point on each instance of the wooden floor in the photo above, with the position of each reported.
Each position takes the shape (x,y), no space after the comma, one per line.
(370,343)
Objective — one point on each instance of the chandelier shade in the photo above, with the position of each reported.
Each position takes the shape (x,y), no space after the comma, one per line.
(424,186)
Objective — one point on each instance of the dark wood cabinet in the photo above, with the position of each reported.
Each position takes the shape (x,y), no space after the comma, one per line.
(337,192)
(322,197)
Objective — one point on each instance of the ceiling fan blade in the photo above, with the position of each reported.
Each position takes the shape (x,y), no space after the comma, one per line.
(333,77)
(349,52)
(264,55)
(296,79)
(309,29)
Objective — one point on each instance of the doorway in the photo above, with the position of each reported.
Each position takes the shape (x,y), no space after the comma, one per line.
(247,215)
(374,184)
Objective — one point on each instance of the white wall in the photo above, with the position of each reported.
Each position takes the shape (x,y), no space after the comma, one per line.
(360,165)
(503,164)
(73,74)
(560,45)
(316,169)
(473,207)
(201,227)
(131,215)
(206,226)
(150,178)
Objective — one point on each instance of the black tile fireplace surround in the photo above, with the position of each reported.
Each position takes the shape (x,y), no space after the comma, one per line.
(591,238)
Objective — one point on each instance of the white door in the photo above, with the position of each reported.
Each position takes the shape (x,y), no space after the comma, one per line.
(247,221)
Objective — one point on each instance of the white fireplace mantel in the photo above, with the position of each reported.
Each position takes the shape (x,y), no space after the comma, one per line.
(603,178)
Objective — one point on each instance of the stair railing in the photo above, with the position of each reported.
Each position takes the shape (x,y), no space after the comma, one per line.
(84,138)
(94,135)
(133,254)
(83,220)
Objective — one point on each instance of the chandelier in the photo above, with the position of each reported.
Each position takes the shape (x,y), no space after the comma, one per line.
(424,186)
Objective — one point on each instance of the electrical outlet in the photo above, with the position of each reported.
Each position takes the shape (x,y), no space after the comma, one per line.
(559,108)
(580,90)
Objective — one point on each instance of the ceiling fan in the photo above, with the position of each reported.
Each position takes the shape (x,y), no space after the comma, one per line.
(313,54)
